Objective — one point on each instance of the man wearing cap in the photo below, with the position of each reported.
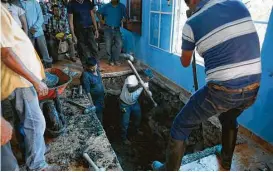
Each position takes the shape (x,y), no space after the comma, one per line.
(129,103)
(92,83)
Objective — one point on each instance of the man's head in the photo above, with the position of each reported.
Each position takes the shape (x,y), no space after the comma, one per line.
(148,75)
(92,64)
(132,83)
(114,2)
(55,10)
(192,3)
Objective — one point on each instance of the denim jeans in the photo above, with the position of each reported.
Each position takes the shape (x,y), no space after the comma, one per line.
(8,160)
(87,45)
(207,102)
(113,43)
(26,108)
(41,47)
(127,110)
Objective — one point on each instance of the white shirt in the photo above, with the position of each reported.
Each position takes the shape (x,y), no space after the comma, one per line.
(127,97)
(15,12)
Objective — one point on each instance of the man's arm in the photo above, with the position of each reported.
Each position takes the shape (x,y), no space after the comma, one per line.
(6,131)
(40,17)
(71,24)
(24,23)
(94,23)
(186,58)
(10,59)
(188,45)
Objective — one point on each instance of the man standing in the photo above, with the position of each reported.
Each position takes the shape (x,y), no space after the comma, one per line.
(21,75)
(229,43)
(17,13)
(129,104)
(114,14)
(81,19)
(58,30)
(92,84)
(35,20)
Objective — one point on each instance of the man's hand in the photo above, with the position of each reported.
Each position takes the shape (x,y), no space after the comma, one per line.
(74,38)
(41,88)
(97,34)
(146,85)
(32,30)
(6,131)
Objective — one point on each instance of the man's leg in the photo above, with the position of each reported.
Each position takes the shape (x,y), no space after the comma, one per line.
(27,106)
(71,49)
(116,49)
(136,112)
(42,47)
(53,48)
(108,44)
(8,160)
(229,135)
(125,120)
(82,49)
(92,44)
(199,108)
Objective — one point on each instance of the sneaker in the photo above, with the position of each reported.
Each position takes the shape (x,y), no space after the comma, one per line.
(117,63)
(140,133)
(73,59)
(126,142)
(111,64)
(157,166)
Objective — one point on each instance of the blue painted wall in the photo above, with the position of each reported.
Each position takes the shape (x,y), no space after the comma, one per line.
(258,118)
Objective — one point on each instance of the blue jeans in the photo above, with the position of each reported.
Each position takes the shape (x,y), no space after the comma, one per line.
(207,102)
(113,43)
(41,47)
(125,118)
(99,104)
(27,109)
(8,160)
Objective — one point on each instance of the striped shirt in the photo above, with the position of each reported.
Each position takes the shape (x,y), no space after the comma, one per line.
(225,36)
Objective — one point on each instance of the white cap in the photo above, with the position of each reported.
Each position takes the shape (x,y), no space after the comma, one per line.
(132,81)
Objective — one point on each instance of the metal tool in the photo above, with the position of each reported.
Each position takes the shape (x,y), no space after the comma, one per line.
(131,58)
(89,160)
(86,110)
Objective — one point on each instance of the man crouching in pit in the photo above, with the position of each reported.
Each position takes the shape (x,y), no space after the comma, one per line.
(92,83)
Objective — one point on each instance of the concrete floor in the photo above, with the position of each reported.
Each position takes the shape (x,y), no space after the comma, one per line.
(248,156)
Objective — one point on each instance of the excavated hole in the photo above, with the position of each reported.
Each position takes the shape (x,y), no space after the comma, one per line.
(156,124)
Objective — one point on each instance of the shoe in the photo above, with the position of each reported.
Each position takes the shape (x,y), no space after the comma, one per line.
(140,133)
(117,63)
(126,142)
(111,64)
(174,154)
(225,151)
(73,59)
(47,65)
(52,168)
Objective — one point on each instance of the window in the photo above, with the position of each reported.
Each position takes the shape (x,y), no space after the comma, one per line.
(161,22)
(260,13)
(180,19)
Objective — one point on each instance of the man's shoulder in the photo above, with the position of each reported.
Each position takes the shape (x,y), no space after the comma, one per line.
(122,5)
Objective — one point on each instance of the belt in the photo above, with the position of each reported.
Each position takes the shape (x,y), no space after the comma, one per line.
(112,27)
(247,88)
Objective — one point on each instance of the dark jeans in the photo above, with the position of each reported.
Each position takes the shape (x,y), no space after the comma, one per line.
(53,46)
(113,43)
(127,110)
(207,102)
(8,160)
(86,43)
(41,47)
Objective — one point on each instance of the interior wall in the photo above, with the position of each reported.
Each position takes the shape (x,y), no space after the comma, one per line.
(258,118)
